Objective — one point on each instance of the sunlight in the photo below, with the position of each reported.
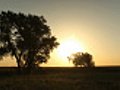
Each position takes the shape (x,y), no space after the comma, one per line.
(68,47)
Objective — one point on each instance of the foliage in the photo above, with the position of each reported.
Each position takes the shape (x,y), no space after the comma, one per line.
(81,59)
(26,37)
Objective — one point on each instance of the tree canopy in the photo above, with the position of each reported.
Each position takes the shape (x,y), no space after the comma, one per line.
(82,59)
(26,37)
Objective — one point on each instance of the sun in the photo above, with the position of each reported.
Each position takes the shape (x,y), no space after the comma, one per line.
(68,47)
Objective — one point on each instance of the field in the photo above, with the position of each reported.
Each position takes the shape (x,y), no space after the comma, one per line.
(61,78)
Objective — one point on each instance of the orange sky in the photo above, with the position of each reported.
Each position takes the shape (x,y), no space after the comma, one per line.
(94,24)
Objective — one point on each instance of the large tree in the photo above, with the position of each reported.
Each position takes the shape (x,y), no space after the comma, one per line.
(26,37)
(82,59)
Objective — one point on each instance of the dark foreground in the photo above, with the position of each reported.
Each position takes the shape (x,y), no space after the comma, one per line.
(107,78)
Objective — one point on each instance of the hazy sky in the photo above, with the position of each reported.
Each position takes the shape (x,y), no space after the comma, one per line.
(93,23)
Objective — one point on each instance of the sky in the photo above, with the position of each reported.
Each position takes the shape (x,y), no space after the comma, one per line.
(94,24)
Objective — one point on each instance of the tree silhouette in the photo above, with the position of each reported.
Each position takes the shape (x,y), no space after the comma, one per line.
(26,37)
(81,59)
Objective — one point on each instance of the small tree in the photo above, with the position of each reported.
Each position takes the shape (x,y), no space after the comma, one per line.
(26,37)
(81,59)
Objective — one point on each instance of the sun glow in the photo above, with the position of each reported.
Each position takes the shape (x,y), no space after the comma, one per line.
(68,47)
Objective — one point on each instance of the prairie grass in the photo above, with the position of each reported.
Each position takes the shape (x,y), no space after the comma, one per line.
(54,78)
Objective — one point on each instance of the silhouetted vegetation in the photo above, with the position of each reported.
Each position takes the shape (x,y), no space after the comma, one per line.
(63,78)
(81,59)
(26,37)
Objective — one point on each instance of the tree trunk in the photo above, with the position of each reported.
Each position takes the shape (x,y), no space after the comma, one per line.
(18,59)
(18,63)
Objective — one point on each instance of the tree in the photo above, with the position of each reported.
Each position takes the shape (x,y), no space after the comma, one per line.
(25,37)
(81,59)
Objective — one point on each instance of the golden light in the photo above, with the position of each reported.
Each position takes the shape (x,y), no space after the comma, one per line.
(68,47)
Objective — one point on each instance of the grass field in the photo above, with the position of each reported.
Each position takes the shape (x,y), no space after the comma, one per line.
(54,78)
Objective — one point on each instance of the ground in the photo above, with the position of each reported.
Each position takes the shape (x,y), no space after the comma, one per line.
(62,78)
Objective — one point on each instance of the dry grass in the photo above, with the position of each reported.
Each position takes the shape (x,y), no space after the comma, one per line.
(61,79)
